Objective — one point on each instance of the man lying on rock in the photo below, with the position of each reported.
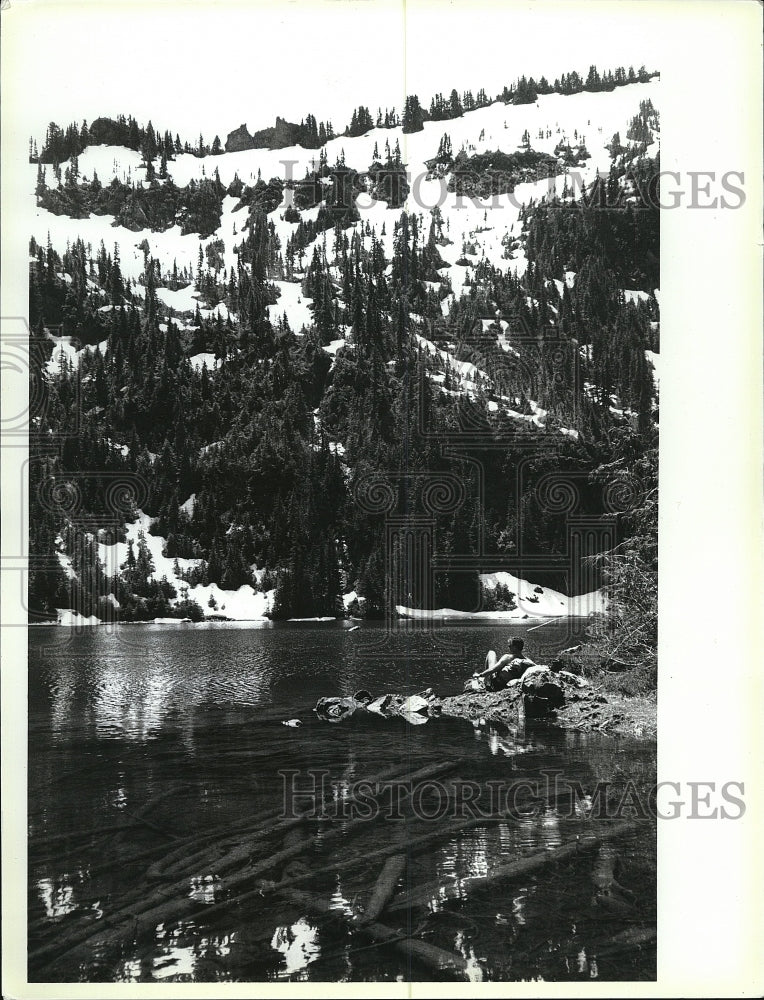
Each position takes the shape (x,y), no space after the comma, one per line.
(499,671)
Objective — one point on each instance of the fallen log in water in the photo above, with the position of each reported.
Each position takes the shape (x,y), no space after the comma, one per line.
(263,828)
(96,843)
(430,955)
(173,903)
(384,888)
(414,845)
(421,895)
(160,906)
(141,816)
(629,940)
(266,830)
(256,870)
(48,840)
(609,894)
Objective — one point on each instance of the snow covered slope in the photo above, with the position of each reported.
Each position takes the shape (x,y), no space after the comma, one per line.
(593,116)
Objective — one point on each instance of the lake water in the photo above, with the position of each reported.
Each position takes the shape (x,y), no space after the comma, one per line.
(191,716)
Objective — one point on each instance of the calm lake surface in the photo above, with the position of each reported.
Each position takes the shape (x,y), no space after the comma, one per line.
(194,714)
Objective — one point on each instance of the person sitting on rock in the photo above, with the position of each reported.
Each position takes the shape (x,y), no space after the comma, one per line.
(499,671)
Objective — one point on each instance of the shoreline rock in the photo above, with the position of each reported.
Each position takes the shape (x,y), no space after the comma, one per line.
(587,710)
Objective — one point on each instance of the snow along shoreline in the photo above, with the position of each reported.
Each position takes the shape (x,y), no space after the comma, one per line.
(530,601)
(577,607)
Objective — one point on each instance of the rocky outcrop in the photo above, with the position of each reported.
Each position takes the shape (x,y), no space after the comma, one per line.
(238,140)
(282,134)
(540,691)
(579,706)
(277,136)
(108,132)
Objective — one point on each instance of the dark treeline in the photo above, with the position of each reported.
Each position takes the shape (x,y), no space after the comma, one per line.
(63,144)
(275,443)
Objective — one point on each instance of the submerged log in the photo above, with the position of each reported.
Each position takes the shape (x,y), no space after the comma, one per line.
(609,894)
(629,940)
(603,873)
(173,903)
(418,844)
(435,958)
(141,815)
(421,895)
(384,888)
(174,864)
(292,879)
(58,838)
(413,846)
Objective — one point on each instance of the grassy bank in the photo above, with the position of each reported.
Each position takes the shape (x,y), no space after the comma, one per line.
(613,713)
(621,699)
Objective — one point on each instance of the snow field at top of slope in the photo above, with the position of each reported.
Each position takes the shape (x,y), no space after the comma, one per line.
(593,115)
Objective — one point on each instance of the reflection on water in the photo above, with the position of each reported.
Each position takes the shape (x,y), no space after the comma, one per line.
(299,945)
(173,961)
(203,888)
(474,971)
(338,901)
(57,895)
(180,731)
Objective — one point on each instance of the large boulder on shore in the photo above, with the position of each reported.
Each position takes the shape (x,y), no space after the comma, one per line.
(542,689)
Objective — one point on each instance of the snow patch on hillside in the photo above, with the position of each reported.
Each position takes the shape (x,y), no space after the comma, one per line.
(533,599)
(188,506)
(294,304)
(244,604)
(654,360)
(198,361)
(65,563)
(635,295)
(180,299)
(65,351)
(74,619)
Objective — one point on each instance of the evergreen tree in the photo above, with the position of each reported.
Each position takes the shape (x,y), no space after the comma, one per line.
(413,118)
